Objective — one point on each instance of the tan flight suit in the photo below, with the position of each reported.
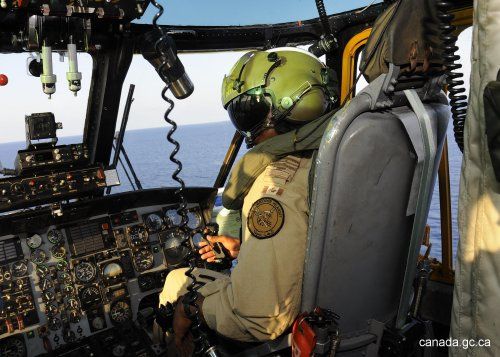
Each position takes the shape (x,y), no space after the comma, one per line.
(261,298)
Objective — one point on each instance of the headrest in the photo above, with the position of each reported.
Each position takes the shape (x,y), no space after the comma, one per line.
(407,35)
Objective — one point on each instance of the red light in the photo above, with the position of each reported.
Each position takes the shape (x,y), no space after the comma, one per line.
(3,80)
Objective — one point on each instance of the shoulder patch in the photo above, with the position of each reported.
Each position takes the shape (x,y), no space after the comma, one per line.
(266,218)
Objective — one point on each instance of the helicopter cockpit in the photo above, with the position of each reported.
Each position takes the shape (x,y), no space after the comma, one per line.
(81,268)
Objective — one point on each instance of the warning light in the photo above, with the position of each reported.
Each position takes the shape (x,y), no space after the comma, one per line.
(3,80)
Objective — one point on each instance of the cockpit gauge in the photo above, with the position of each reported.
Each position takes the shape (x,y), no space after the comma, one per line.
(34,241)
(62,265)
(173,218)
(120,312)
(38,256)
(54,323)
(154,222)
(112,270)
(85,272)
(173,250)
(74,316)
(45,284)
(90,296)
(19,268)
(73,304)
(51,310)
(13,347)
(58,252)
(68,289)
(194,220)
(54,236)
(144,260)
(42,270)
(65,278)
(137,234)
(48,296)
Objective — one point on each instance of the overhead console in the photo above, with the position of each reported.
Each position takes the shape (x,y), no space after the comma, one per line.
(77,281)
(117,9)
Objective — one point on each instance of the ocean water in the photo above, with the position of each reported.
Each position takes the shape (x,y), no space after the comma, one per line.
(203,148)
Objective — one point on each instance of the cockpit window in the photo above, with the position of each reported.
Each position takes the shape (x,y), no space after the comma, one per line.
(204,130)
(23,96)
(239,13)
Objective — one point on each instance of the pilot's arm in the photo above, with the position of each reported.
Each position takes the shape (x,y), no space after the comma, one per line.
(261,298)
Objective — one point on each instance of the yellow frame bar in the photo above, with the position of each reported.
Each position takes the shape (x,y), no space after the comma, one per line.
(349,61)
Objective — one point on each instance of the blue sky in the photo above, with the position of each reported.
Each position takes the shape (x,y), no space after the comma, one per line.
(239,12)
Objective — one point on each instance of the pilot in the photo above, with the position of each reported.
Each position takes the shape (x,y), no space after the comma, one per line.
(280,100)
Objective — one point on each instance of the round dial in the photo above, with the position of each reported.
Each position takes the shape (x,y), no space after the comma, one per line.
(144,260)
(6,273)
(120,312)
(194,220)
(173,218)
(54,236)
(174,251)
(68,289)
(19,268)
(48,296)
(34,241)
(138,235)
(13,347)
(85,272)
(112,270)
(65,278)
(90,296)
(74,316)
(154,222)
(51,310)
(42,270)
(62,265)
(98,323)
(73,304)
(45,284)
(38,256)
(58,251)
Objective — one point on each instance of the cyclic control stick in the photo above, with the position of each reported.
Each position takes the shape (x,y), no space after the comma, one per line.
(48,77)
(73,76)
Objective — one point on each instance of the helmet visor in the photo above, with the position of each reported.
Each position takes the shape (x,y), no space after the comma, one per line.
(248,112)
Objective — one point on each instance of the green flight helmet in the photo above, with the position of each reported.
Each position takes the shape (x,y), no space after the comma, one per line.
(280,88)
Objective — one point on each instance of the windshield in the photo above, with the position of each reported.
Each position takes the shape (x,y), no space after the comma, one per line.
(243,13)
(23,95)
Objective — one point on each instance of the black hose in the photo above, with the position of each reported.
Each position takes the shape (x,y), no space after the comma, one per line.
(458,100)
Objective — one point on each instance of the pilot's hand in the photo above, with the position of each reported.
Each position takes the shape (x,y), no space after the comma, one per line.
(231,244)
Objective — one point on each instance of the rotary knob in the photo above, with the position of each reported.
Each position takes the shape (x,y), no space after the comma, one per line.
(74,316)
(98,323)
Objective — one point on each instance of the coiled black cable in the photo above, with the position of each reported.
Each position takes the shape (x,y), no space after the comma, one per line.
(320,5)
(458,100)
(199,337)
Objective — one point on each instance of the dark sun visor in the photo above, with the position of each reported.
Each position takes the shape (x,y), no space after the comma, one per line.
(248,111)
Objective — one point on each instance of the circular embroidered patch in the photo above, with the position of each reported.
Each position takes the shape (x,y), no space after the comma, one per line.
(266,218)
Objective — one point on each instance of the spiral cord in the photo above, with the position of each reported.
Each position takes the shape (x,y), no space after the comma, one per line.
(199,336)
(320,5)
(458,100)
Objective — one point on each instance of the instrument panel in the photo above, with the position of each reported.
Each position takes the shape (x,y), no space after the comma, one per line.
(70,281)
